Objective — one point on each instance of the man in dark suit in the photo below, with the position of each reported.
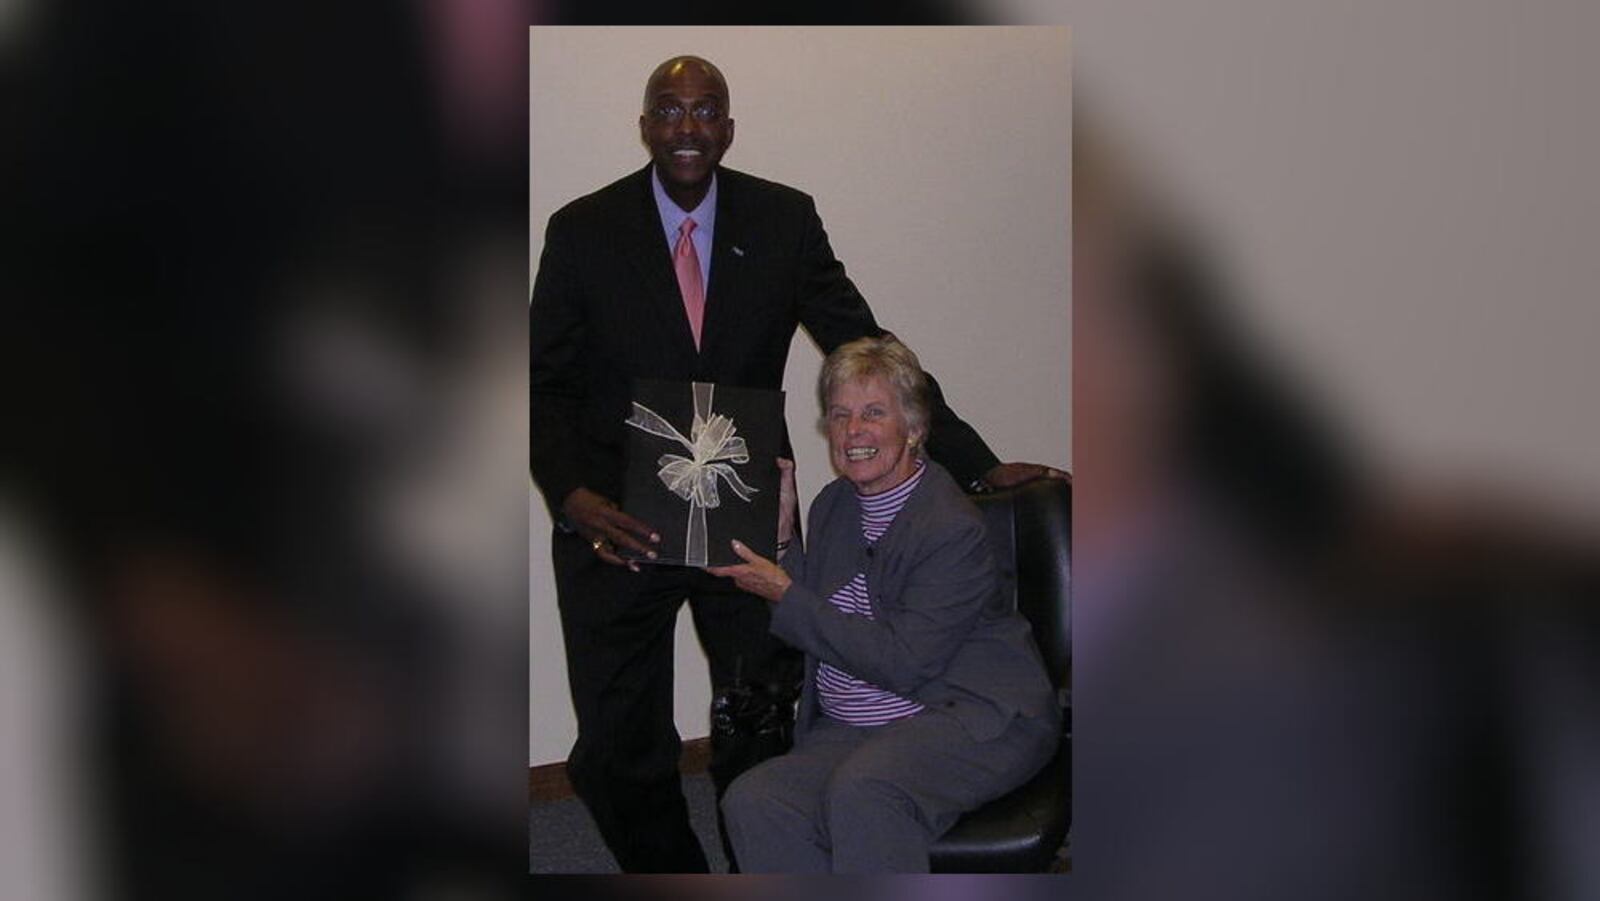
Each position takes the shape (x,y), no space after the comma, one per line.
(687,271)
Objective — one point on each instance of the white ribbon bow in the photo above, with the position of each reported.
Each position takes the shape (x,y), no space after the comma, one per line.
(711,441)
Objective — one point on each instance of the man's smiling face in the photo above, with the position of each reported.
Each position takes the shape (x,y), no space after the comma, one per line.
(686,126)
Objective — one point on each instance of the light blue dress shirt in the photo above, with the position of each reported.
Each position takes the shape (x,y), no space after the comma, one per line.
(705,222)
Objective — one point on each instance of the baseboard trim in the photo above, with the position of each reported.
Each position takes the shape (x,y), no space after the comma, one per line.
(548,782)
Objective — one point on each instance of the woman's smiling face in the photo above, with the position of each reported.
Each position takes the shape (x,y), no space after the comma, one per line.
(868,440)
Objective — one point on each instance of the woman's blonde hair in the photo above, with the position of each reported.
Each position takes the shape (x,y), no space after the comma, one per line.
(864,358)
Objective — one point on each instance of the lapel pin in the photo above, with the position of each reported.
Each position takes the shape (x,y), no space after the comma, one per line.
(737,250)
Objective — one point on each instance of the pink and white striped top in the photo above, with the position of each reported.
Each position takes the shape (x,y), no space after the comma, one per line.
(841,695)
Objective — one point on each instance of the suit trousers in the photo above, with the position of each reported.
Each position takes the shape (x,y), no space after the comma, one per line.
(871,799)
(618,628)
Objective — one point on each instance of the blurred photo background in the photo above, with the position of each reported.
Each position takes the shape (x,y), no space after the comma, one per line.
(263,628)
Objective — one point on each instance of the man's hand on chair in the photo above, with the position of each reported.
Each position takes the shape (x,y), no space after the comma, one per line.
(1007,475)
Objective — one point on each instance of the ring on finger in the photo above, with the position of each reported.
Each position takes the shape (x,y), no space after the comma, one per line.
(597,544)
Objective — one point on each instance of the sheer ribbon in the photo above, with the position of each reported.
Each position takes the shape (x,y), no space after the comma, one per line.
(712,445)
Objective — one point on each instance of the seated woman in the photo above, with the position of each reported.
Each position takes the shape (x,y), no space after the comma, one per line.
(924,695)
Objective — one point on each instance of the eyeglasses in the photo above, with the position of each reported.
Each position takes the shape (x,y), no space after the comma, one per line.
(673,113)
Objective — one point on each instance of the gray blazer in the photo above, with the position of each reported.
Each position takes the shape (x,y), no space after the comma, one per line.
(941,633)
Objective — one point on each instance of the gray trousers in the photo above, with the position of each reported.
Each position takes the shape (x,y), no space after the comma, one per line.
(870,799)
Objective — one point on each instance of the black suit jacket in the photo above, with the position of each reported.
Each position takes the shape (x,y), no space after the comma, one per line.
(606,309)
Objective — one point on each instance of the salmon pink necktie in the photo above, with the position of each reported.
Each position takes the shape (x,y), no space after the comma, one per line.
(687,263)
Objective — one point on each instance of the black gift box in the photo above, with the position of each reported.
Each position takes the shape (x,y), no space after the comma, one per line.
(702,468)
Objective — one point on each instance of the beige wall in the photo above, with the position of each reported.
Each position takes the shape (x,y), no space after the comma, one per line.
(940,162)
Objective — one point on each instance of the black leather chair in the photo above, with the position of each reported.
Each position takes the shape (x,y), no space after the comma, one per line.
(1030,527)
